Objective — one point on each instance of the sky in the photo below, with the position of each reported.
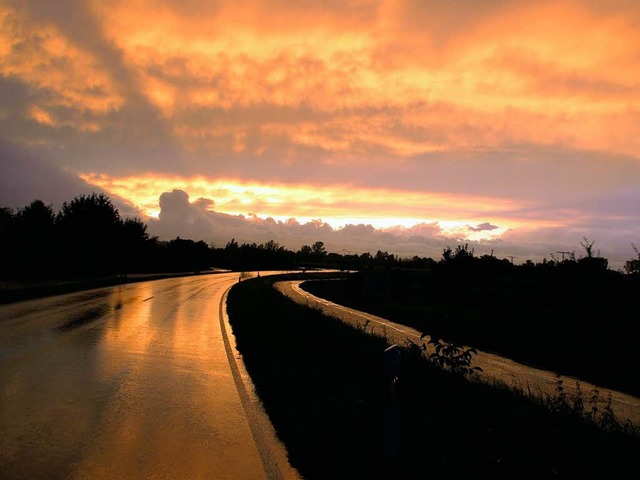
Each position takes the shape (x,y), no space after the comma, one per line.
(400,126)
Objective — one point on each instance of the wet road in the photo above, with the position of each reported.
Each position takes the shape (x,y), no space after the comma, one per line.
(529,379)
(135,381)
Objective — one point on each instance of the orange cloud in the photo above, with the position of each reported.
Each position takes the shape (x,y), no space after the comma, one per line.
(558,64)
(41,56)
(405,77)
(336,205)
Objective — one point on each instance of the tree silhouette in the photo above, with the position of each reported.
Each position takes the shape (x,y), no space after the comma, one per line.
(136,246)
(318,249)
(593,261)
(34,239)
(187,255)
(632,266)
(90,233)
(305,251)
(6,243)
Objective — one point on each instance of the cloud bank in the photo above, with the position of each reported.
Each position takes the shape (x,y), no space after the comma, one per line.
(198,220)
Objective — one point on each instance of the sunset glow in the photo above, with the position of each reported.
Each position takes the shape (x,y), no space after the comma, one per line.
(513,122)
(333,204)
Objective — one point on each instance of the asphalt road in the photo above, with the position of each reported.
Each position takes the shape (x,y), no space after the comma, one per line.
(136,381)
(529,379)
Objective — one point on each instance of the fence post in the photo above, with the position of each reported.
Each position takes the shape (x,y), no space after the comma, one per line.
(392,368)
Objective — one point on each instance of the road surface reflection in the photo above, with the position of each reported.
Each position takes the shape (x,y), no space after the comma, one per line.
(124,382)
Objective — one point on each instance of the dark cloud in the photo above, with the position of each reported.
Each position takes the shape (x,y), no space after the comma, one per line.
(136,130)
(483,227)
(196,220)
(26,177)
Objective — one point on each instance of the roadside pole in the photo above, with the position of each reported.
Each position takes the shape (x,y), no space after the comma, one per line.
(390,440)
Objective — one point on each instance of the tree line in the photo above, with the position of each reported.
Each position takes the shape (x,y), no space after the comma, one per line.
(88,237)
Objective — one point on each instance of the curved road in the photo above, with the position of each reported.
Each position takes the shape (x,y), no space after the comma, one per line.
(135,381)
(529,379)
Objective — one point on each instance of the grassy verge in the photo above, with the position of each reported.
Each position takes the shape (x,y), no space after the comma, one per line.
(589,333)
(324,387)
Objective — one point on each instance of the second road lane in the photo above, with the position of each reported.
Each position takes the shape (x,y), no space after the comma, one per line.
(523,377)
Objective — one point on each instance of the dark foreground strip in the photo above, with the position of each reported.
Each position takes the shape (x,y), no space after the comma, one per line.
(256,421)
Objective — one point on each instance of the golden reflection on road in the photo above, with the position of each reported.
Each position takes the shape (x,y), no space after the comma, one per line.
(132,383)
(169,406)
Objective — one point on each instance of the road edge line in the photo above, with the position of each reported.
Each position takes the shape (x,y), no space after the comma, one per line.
(261,428)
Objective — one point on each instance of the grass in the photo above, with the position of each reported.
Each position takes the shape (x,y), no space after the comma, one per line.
(588,332)
(323,384)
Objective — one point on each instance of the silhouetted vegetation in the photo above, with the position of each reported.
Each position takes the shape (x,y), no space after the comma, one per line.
(324,385)
(632,266)
(573,316)
(88,238)
(320,380)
